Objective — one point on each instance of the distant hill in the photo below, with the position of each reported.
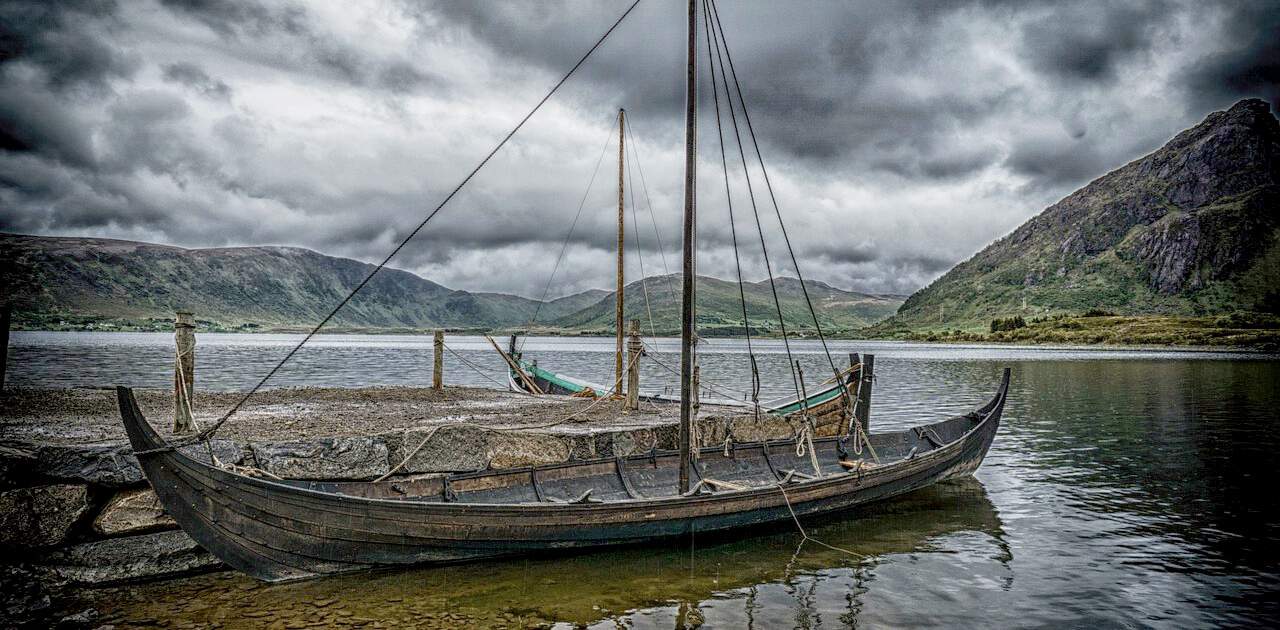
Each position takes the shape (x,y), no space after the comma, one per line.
(53,279)
(56,282)
(1192,229)
(720,307)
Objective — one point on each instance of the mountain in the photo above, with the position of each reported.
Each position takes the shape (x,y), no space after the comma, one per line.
(720,307)
(58,282)
(1192,229)
(55,280)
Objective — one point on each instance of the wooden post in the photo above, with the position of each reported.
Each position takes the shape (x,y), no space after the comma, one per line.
(618,299)
(437,368)
(687,304)
(5,312)
(634,351)
(864,392)
(184,372)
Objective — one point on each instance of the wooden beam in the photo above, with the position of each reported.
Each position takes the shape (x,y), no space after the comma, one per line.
(866,374)
(621,283)
(184,372)
(437,367)
(687,310)
(529,382)
(5,313)
(635,349)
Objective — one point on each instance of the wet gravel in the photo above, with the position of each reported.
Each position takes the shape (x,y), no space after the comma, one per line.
(84,415)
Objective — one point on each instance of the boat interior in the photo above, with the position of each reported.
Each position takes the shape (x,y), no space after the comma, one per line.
(653,475)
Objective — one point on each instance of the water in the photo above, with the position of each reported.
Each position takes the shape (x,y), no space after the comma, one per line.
(1126,488)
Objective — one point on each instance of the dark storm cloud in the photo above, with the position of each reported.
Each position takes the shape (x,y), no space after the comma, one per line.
(900,137)
(194,77)
(1087,42)
(1248,63)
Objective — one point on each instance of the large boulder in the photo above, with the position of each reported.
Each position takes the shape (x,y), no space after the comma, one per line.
(455,448)
(149,556)
(15,466)
(42,516)
(132,512)
(324,458)
(512,450)
(113,464)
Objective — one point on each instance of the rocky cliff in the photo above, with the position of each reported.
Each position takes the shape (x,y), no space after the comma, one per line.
(1191,229)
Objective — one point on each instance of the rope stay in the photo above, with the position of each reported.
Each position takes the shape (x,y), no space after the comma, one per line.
(733,231)
(648,202)
(572,225)
(715,16)
(764,249)
(208,432)
(635,226)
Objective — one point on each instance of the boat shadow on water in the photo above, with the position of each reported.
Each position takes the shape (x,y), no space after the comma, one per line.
(724,576)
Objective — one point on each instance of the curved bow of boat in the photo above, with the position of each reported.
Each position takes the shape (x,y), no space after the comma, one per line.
(278,530)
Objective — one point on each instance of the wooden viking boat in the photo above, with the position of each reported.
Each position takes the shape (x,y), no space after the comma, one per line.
(278,530)
(825,404)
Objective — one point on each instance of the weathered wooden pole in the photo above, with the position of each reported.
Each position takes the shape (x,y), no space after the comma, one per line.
(184,372)
(618,299)
(437,367)
(5,312)
(635,348)
(867,374)
(687,305)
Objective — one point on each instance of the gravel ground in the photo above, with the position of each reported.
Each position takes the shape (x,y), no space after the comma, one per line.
(90,415)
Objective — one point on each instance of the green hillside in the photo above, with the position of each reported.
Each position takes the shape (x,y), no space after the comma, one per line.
(1191,230)
(720,307)
(88,283)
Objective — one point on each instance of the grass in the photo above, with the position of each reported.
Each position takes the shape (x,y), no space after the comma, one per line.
(1244,330)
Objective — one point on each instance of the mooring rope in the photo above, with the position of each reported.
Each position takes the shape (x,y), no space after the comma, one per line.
(804,536)
(208,432)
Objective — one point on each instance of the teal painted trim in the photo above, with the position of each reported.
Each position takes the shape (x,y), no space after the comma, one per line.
(813,400)
(550,377)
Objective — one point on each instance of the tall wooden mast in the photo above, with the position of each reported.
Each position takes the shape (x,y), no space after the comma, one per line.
(687,311)
(617,360)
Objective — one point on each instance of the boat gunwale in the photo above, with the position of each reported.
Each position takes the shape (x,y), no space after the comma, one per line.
(903,466)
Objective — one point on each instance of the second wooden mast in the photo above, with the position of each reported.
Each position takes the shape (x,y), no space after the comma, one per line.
(617,362)
(687,307)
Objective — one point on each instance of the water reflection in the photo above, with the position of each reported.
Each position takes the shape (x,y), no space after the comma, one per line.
(761,581)
(1125,488)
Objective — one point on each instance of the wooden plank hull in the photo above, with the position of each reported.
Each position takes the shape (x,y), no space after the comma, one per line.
(283,530)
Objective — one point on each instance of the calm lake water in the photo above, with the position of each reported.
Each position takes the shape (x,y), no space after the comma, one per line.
(1126,488)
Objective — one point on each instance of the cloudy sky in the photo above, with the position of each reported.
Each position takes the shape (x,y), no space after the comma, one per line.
(900,138)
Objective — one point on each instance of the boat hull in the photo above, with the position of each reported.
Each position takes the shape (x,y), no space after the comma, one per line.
(280,530)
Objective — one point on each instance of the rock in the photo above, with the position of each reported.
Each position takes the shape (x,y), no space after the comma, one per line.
(42,516)
(99,464)
(112,463)
(457,448)
(511,450)
(324,458)
(131,512)
(749,429)
(26,601)
(15,466)
(162,554)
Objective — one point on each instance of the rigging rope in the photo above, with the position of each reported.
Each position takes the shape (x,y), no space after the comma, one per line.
(733,231)
(657,234)
(608,140)
(635,226)
(208,432)
(764,249)
(715,15)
